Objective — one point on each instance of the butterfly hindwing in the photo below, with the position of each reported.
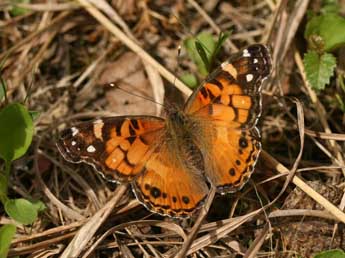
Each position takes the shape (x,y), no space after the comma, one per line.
(170,187)
(232,158)
(117,147)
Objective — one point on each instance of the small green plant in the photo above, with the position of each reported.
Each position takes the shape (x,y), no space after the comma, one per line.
(16,132)
(324,33)
(331,254)
(203,50)
(16,10)
(6,234)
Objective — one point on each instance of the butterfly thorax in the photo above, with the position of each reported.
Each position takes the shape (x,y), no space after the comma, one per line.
(181,139)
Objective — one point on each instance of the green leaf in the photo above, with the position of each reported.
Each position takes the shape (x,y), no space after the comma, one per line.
(331,254)
(330,6)
(2,88)
(207,44)
(203,54)
(16,132)
(39,206)
(221,39)
(34,115)
(6,235)
(319,68)
(21,210)
(3,187)
(330,27)
(16,11)
(190,80)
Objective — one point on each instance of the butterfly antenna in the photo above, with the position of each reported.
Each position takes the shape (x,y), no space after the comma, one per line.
(113,85)
(178,62)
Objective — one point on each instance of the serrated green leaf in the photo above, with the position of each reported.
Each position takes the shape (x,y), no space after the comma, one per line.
(319,69)
(16,11)
(190,80)
(16,136)
(7,233)
(331,254)
(330,27)
(21,210)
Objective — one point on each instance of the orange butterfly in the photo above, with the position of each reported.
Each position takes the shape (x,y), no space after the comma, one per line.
(171,162)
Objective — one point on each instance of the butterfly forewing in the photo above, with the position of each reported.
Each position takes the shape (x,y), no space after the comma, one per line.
(235,87)
(117,147)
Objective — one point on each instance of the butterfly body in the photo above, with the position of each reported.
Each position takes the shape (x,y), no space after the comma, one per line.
(172,162)
(181,132)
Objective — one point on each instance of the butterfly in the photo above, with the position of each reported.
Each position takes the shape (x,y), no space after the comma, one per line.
(172,162)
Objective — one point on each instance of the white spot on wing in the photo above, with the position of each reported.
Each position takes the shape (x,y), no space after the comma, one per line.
(255,60)
(91,149)
(229,68)
(224,64)
(75,131)
(246,53)
(98,121)
(249,77)
(97,128)
(73,143)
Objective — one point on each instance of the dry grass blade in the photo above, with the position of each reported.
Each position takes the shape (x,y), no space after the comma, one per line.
(256,245)
(326,136)
(17,46)
(157,87)
(220,232)
(302,213)
(134,47)
(164,225)
(49,7)
(331,208)
(42,245)
(54,200)
(81,239)
(214,26)
(293,23)
(204,210)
